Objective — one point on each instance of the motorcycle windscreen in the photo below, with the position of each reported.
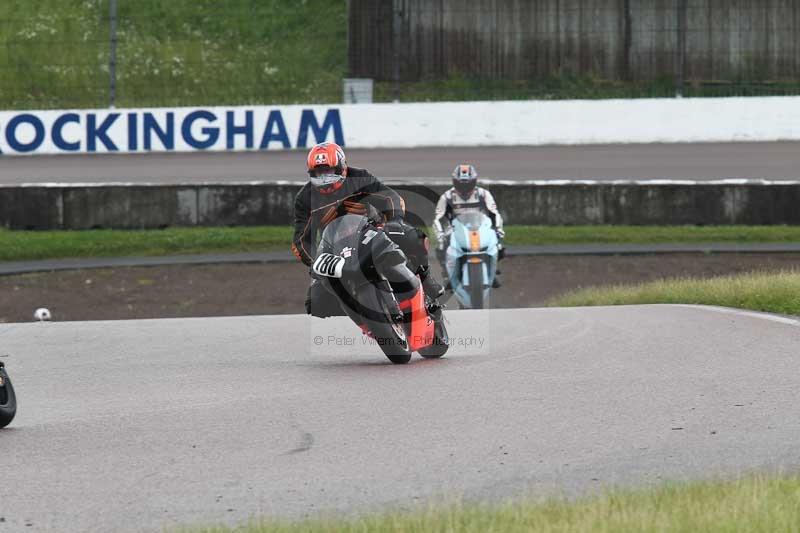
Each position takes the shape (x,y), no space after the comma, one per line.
(473,220)
(342,233)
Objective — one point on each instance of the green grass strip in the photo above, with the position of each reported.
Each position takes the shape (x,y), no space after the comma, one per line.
(54,53)
(770,292)
(649,234)
(31,245)
(758,503)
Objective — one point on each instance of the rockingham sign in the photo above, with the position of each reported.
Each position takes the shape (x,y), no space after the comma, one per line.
(167,130)
(525,123)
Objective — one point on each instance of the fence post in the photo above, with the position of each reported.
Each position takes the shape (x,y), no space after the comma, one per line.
(680,63)
(112,58)
(627,41)
(396,21)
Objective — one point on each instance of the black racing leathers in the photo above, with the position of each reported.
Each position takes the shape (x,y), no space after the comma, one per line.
(360,193)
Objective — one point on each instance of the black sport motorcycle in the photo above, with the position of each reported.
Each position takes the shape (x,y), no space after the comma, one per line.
(8,400)
(367,272)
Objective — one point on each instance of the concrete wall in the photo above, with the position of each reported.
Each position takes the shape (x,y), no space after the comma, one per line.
(144,206)
(562,203)
(610,39)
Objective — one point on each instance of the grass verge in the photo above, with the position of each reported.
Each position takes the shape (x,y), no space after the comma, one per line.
(32,245)
(757,503)
(518,235)
(567,86)
(769,292)
(55,53)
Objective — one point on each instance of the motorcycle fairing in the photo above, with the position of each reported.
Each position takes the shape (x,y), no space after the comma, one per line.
(374,274)
(421,333)
(472,240)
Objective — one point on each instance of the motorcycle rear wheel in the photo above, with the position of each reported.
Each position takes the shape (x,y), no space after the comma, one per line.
(8,400)
(441,341)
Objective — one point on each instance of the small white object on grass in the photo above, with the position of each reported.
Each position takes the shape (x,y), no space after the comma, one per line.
(42,314)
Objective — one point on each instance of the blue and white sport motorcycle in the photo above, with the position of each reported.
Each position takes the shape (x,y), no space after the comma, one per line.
(471,259)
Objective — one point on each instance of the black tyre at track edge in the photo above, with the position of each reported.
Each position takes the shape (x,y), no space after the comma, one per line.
(8,409)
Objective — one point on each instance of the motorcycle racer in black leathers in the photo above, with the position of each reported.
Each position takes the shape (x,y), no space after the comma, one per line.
(334,188)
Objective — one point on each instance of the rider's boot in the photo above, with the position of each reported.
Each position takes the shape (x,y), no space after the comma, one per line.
(435,311)
(501,253)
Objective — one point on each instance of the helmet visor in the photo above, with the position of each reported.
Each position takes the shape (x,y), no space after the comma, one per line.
(464,186)
(323,181)
(322,170)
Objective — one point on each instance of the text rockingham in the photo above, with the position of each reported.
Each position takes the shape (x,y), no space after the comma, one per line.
(165,130)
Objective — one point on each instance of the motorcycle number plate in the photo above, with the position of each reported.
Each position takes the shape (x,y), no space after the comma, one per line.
(329,265)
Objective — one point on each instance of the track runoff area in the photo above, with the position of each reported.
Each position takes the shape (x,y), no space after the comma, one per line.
(704,161)
(150,424)
(219,420)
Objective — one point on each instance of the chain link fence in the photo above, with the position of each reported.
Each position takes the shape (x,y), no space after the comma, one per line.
(98,53)
(132,53)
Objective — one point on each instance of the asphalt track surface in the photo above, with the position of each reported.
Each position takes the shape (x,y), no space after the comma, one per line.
(139,425)
(775,160)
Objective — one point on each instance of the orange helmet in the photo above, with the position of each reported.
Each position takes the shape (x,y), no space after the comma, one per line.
(327,167)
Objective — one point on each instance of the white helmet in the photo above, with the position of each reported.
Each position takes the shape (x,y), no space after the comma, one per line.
(465,178)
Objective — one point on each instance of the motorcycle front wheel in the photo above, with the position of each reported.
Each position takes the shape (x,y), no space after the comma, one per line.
(388,333)
(8,400)
(476,285)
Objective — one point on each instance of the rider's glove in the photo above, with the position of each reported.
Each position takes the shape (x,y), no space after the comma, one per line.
(501,234)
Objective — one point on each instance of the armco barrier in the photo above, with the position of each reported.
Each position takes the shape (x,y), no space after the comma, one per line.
(65,206)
